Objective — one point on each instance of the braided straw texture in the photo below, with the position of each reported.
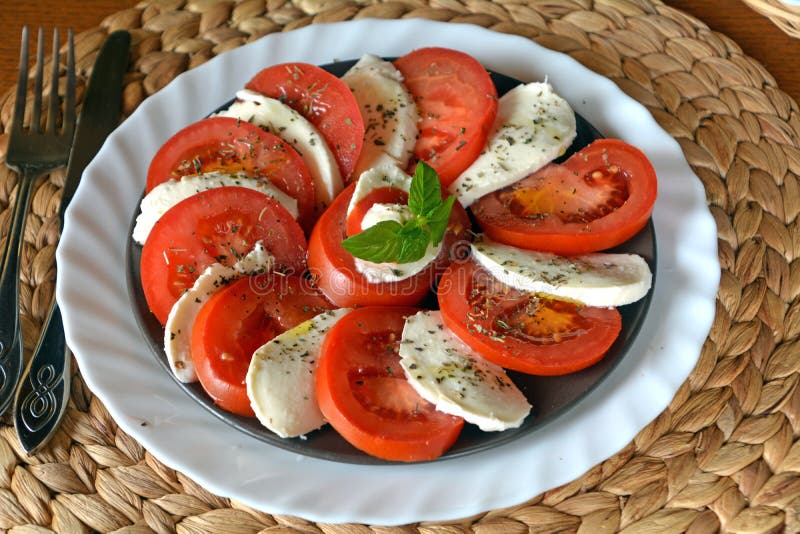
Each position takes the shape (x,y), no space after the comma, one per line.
(724,456)
(786,17)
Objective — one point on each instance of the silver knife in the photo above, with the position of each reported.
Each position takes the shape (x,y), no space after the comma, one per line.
(43,391)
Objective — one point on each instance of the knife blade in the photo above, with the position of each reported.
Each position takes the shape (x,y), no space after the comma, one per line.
(100,112)
(43,391)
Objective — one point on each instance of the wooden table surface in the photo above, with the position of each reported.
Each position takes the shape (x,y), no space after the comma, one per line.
(757,35)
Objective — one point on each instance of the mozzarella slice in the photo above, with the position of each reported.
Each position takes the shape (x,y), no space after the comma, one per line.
(458,381)
(377,273)
(165,195)
(281,120)
(389,113)
(178,329)
(400,213)
(387,175)
(533,126)
(604,280)
(282,373)
(383,175)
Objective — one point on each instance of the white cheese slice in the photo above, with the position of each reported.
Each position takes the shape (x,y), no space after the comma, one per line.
(389,113)
(600,279)
(379,212)
(165,195)
(281,120)
(533,126)
(387,175)
(178,329)
(377,273)
(384,175)
(281,377)
(457,380)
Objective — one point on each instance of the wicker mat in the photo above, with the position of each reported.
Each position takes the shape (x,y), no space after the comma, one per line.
(723,456)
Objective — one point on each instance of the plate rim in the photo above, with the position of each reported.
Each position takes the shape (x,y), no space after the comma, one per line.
(361,511)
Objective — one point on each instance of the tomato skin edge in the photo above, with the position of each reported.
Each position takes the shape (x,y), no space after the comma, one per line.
(175,226)
(452,158)
(376,445)
(224,395)
(346,143)
(213,133)
(457,326)
(400,447)
(572,238)
(238,319)
(547,360)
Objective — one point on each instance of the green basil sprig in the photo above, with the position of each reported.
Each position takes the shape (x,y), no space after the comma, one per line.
(390,241)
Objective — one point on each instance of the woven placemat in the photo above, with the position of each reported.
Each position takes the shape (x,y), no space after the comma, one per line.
(723,456)
(785,16)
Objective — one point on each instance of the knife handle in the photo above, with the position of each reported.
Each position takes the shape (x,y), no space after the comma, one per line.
(43,392)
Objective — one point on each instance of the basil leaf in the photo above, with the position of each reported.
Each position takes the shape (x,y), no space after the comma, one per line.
(391,241)
(415,243)
(438,219)
(380,243)
(425,193)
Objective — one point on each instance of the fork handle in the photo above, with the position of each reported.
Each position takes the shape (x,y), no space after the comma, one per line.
(10,337)
(43,391)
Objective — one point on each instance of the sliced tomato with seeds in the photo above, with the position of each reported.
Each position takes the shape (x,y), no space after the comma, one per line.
(527,332)
(219,225)
(335,270)
(363,392)
(457,104)
(240,318)
(598,199)
(228,145)
(324,100)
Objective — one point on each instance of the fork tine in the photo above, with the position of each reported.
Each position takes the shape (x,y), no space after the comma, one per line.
(69,98)
(52,114)
(22,84)
(36,115)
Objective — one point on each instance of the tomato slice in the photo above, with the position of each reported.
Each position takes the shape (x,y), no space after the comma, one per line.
(236,321)
(335,270)
(527,332)
(324,100)
(225,144)
(598,199)
(363,392)
(381,195)
(457,105)
(219,225)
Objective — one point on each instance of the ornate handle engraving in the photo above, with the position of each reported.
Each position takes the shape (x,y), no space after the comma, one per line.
(10,371)
(39,405)
(43,392)
(3,374)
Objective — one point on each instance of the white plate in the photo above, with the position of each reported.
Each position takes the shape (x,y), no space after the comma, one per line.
(118,366)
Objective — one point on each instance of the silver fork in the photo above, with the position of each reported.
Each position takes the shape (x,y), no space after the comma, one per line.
(31,153)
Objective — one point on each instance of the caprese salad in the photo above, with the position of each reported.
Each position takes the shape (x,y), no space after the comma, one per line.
(374,251)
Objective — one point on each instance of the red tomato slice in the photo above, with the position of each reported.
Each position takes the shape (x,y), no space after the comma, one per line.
(363,392)
(526,332)
(381,195)
(236,321)
(335,270)
(457,105)
(324,100)
(218,225)
(599,198)
(225,144)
